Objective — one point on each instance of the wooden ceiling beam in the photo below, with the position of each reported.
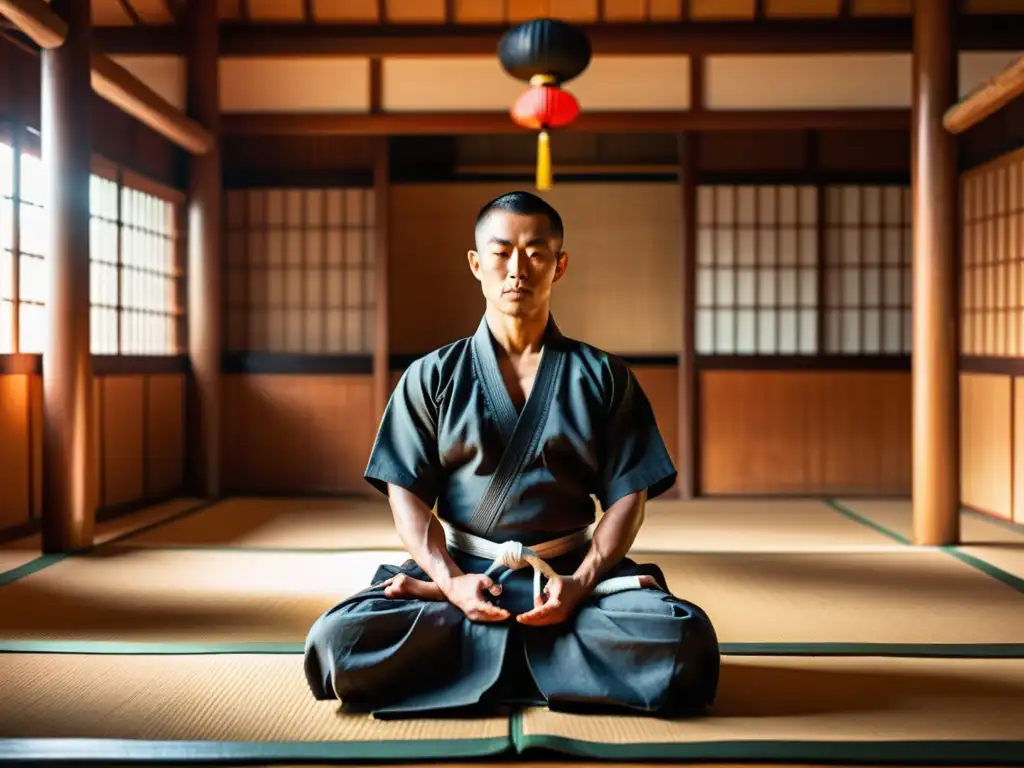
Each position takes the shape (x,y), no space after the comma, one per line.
(411,124)
(980,33)
(987,99)
(36,20)
(121,88)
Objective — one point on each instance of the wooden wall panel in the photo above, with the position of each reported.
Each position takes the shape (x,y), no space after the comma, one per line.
(121,421)
(986,420)
(140,438)
(138,454)
(164,396)
(15,450)
(297,434)
(661,385)
(805,433)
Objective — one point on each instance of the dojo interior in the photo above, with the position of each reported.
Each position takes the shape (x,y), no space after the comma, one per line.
(801,223)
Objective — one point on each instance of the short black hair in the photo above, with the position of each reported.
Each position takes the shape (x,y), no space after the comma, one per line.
(523,204)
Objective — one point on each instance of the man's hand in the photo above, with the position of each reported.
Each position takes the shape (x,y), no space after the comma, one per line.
(560,599)
(466,593)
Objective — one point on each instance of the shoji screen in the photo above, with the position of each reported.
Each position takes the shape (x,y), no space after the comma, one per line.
(300,273)
(757,270)
(992,296)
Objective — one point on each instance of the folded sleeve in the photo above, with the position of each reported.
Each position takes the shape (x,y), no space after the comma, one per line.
(634,456)
(405,450)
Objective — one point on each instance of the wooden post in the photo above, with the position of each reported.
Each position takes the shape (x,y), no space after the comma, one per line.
(688,483)
(936,447)
(69,500)
(381,348)
(204,257)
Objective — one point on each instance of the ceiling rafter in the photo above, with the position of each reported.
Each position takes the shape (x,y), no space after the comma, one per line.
(131,13)
(680,38)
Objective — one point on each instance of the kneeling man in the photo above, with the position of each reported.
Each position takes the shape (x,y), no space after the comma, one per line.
(512,595)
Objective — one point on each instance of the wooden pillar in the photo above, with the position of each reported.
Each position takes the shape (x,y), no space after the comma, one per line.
(936,490)
(689,445)
(69,498)
(381,348)
(204,258)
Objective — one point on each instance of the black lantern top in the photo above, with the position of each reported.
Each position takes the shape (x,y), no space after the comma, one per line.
(544,47)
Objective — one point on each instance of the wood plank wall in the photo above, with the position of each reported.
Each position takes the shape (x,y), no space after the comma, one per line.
(840,425)
(139,456)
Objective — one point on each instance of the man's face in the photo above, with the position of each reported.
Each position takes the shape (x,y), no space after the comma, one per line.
(517,260)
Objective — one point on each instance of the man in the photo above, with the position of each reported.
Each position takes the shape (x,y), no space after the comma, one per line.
(508,596)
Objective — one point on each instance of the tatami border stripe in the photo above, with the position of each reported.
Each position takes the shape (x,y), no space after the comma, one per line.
(930,753)
(906,650)
(859,518)
(106,751)
(1005,577)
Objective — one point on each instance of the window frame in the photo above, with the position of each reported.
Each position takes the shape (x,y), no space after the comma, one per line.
(24,139)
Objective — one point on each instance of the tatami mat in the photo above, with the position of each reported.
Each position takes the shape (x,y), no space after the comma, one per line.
(706,525)
(19,553)
(307,524)
(127,594)
(890,597)
(755,525)
(262,701)
(218,596)
(991,539)
(820,709)
(254,707)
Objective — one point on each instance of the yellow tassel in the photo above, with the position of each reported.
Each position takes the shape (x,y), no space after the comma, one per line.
(543,161)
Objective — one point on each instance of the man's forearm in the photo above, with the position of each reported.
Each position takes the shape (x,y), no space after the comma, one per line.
(612,539)
(422,534)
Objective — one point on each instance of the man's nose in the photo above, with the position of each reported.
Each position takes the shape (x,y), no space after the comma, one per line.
(517,263)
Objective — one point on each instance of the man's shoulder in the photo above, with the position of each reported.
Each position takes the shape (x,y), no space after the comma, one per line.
(594,357)
(438,364)
(608,370)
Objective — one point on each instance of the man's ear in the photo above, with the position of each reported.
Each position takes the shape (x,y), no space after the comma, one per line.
(561,265)
(474,263)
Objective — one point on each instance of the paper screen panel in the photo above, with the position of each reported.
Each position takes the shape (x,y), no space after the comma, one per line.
(993,218)
(148,302)
(868,291)
(7,261)
(757,270)
(30,227)
(300,273)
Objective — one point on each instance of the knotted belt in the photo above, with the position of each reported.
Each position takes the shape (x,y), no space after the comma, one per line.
(514,555)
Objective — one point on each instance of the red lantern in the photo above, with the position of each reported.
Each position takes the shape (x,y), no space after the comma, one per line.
(542,107)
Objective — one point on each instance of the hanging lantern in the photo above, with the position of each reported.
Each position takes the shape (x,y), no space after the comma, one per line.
(546,54)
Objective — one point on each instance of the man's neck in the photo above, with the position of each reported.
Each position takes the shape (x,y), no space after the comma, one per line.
(518,335)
